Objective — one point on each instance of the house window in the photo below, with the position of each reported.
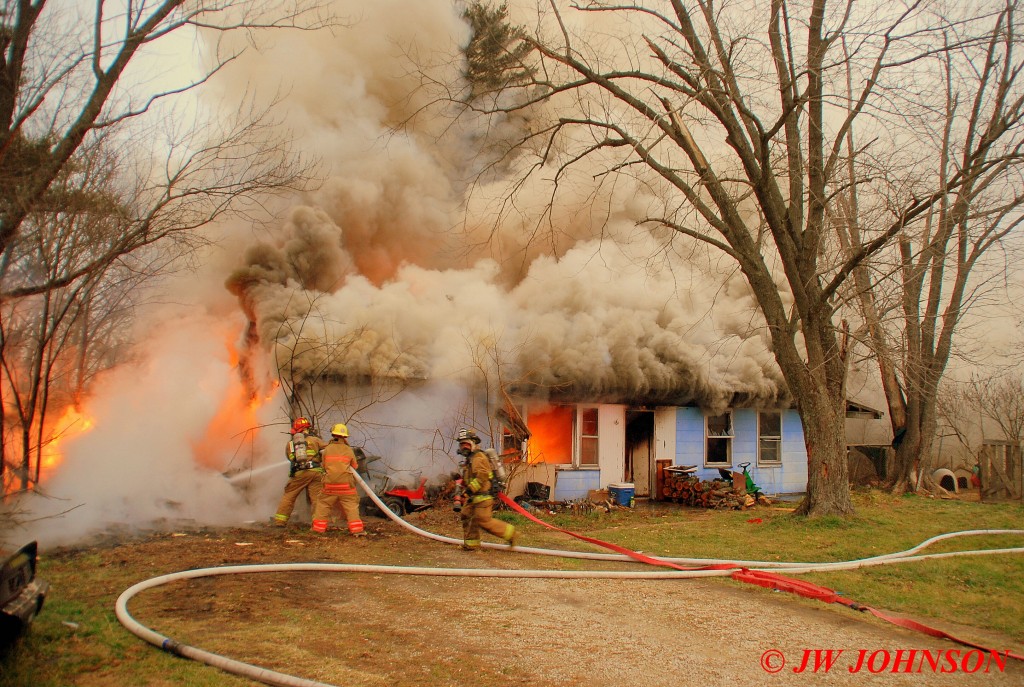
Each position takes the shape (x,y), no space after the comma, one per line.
(509,442)
(718,433)
(563,435)
(769,437)
(550,434)
(587,419)
(514,432)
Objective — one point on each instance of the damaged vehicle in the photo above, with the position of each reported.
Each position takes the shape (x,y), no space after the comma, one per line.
(21,593)
(400,499)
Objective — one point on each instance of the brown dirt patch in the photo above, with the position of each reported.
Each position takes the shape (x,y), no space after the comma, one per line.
(380,629)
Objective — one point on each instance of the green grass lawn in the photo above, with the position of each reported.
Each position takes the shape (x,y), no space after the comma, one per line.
(983,592)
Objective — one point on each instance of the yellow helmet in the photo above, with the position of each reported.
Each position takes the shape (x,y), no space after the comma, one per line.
(339,430)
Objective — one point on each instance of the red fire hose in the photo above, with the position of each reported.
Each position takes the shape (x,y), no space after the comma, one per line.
(766,579)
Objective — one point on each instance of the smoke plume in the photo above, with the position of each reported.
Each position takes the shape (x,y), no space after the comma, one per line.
(399,266)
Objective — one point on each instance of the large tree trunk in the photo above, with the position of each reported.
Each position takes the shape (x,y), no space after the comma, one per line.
(907,459)
(816,377)
(828,481)
(912,465)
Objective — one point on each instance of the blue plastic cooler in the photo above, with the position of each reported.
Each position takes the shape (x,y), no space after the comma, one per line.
(622,493)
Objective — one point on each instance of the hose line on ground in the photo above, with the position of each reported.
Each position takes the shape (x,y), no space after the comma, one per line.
(271,677)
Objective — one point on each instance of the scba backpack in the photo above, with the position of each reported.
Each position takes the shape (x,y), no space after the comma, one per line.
(498,482)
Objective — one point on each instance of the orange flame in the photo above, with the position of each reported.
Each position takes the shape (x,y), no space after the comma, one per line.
(72,423)
(234,425)
(551,434)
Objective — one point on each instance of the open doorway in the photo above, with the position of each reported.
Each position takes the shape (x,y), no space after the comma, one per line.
(639,450)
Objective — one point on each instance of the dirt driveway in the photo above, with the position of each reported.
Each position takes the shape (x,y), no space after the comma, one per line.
(375,629)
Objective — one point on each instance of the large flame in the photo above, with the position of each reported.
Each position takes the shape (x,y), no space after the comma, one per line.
(551,431)
(74,422)
(236,422)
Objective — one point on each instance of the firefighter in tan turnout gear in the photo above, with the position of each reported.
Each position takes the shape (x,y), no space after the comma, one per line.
(306,471)
(339,484)
(477,511)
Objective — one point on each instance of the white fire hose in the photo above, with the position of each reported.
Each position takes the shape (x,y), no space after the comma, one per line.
(271,677)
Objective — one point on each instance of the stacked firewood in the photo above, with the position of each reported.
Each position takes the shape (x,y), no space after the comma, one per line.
(690,491)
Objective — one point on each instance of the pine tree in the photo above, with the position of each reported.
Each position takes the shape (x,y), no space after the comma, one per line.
(496,54)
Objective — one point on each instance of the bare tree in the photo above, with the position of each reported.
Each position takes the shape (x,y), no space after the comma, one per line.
(98,192)
(734,115)
(51,346)
(986,416)
(63,79)
(959,419)
(54,339)
(914,298)
(999,402)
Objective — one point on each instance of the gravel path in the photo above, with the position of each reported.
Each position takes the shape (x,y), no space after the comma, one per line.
(371,629)
(610,633)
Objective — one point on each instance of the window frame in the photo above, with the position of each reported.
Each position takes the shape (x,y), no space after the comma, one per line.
(576,437)
(727,438)
(775,438)
(579,437)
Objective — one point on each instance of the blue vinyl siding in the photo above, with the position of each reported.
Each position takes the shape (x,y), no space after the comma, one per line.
(689,436)
(744,442)
(794,454)
(575,484)
(789,478)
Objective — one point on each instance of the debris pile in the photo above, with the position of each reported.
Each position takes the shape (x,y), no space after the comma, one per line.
(719,494)
(571,507)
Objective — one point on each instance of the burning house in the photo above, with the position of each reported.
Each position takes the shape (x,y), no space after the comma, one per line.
(407,296)
(620,346)
(578,447)
(600,371)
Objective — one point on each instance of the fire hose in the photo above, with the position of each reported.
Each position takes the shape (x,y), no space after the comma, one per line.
(755,572)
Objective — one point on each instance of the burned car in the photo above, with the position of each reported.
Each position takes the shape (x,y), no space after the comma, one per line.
(21,594)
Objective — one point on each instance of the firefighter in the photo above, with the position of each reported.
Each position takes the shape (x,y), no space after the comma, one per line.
(340,465)
(306,469)
(477,511)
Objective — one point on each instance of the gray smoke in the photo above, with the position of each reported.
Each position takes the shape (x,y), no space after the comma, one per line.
(418,278)
(400,266)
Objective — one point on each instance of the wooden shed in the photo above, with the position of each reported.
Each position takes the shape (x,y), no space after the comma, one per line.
(1001,475)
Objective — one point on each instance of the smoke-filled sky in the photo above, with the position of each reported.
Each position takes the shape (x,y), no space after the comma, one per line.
(403,259)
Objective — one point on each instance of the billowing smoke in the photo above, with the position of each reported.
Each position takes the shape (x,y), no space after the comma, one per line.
(400,267)
(165,428)
(409,275)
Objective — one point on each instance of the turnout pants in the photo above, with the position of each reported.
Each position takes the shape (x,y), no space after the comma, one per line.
(303,479)
(338,494)
(479,516)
